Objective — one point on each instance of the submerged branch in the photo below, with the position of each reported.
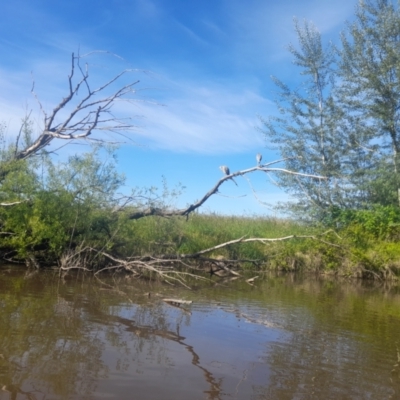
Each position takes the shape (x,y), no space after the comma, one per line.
(169,267)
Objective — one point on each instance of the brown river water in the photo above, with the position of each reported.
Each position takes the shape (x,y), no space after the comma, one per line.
(286,337)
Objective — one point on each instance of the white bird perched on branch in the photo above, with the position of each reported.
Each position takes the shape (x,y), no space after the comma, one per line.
(259,158)
(226,171)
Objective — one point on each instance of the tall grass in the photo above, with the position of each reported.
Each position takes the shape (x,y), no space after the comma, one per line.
(156,235)
(349,251)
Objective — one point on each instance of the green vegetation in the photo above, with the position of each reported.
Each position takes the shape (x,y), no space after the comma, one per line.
(72,205)
(200,232)
(338,133)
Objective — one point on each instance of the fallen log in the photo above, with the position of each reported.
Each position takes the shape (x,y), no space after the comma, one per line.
(177,302)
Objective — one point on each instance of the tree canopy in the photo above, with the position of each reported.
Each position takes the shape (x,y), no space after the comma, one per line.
(342,121)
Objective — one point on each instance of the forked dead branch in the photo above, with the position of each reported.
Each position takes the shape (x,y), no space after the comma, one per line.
(85,109)
(265,168)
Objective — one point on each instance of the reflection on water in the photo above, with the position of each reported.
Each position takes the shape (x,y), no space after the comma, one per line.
(287,337)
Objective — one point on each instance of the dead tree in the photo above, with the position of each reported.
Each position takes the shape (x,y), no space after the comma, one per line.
(85,109)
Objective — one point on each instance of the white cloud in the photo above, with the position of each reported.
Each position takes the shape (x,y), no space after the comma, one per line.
(204,119)
(191,34)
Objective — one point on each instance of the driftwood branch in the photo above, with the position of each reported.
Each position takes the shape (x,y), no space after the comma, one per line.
(170,268)
(13,203)
(261,240)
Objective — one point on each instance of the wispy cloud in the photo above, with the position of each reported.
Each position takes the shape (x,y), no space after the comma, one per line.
(215,30)
(205,119)
(191,34)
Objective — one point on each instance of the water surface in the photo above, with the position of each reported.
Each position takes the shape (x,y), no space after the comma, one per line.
(286,337)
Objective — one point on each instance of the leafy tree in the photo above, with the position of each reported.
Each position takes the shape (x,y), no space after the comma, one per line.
(47,206)
(370,91)
(71,204)
(309,132)
(343,121)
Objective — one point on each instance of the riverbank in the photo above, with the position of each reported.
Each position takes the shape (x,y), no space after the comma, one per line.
(354,250)
(250,243)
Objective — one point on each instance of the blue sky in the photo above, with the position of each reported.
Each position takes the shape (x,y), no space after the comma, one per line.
(204,69)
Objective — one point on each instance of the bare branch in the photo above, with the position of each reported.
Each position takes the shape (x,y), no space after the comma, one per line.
(214,190)
(210,249)
(91,112)
(261,240)
(167,267)
(14,203)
